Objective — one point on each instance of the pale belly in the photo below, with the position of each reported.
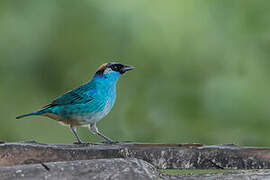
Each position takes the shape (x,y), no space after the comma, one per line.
(79,118)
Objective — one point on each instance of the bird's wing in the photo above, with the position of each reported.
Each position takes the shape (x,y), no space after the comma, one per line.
(80,95)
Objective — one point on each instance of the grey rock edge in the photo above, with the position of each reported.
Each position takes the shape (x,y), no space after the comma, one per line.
(97,169)
(105,169)
(163,156)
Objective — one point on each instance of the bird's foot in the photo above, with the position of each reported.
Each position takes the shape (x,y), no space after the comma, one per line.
(84,143)
(32,142)
(110,142)
(117,142)
(79,142)
(126,142)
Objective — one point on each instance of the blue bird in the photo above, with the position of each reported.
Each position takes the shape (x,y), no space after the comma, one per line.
(88,103)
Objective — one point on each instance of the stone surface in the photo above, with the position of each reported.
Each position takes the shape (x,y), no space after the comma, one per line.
(165,156)
(160,155)
(31,160)
(98,169)
(116,168)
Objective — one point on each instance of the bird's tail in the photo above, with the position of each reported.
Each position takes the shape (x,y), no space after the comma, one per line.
(29,114)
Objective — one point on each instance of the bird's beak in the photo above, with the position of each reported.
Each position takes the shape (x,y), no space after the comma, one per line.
(126,68)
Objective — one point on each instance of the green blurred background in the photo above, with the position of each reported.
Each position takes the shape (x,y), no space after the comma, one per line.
(202,68)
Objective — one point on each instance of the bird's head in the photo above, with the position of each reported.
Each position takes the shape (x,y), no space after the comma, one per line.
(112,69)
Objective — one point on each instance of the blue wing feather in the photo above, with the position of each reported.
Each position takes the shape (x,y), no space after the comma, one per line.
(80,95)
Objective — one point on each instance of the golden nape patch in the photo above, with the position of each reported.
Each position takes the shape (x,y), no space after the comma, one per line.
(102,66)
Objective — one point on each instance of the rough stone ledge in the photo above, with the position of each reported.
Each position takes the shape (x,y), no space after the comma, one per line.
(164,156)
(119,168)
(97,169)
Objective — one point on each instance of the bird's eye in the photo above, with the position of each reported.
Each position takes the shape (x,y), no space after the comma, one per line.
(114,67)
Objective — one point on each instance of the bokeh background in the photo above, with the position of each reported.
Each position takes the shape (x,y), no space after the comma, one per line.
(202,68)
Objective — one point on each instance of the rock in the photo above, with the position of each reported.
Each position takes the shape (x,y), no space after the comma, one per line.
(116,168)
(164,156)
(98,169)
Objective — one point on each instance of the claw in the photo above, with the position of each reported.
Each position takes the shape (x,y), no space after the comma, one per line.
(110,142)
(78,142)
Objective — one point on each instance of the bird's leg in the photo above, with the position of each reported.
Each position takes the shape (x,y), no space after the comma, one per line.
(94,130)
(74,130)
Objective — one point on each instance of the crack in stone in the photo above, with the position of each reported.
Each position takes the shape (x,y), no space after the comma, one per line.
(45,166)
(215,164)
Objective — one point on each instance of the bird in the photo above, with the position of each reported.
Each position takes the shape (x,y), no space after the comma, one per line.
(88,103)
